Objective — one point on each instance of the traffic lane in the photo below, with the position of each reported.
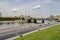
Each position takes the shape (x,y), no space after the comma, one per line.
(11,32)
(44,25)
(14,31)
(18,32)
(25,30)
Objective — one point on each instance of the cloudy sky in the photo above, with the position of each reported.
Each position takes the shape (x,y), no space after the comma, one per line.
(35,8)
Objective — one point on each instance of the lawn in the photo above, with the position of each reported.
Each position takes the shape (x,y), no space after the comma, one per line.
(52,33)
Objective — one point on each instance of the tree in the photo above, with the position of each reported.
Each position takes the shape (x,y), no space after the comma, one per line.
(23,18)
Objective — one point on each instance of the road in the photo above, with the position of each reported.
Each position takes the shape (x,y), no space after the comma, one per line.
(9,34)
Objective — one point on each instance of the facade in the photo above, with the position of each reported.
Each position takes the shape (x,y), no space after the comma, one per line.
(57,17)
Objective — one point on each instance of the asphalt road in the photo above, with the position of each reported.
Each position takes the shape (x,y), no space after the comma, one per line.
(9,34)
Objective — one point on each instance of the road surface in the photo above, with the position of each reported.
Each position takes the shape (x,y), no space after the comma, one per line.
(9,34)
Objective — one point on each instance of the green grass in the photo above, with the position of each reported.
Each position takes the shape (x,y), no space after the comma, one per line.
(52,33)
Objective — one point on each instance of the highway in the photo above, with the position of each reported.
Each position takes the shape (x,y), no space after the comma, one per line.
(9,34)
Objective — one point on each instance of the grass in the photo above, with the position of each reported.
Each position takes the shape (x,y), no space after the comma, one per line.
(52,33)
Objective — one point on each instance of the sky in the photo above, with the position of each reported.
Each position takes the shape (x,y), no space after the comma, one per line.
(35,8)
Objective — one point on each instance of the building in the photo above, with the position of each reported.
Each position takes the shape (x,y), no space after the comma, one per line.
(57,17)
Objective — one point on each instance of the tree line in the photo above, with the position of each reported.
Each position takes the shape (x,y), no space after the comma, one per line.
(8,18)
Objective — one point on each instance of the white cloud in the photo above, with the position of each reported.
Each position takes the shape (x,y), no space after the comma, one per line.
(36,7)
(15,9)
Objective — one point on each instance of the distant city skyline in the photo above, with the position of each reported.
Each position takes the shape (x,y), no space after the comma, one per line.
(35,8)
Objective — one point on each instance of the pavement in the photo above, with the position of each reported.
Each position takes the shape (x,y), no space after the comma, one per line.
(13,34)
(30,32)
